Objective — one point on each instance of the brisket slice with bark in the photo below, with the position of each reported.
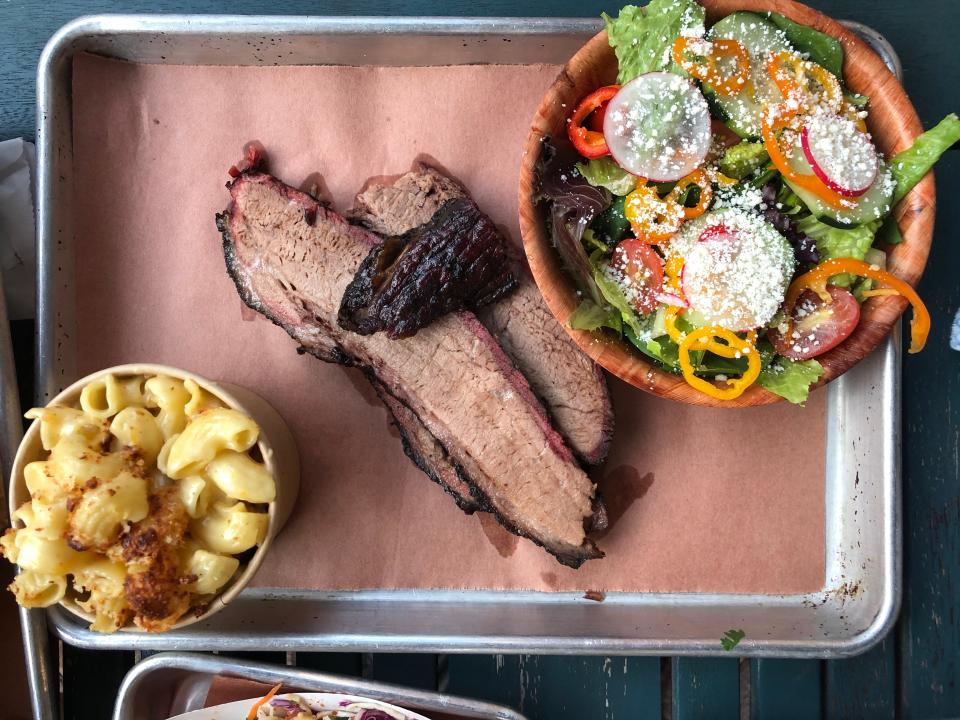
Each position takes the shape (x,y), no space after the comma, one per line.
(570,384)
(427,453)
(457,260)
(291,259)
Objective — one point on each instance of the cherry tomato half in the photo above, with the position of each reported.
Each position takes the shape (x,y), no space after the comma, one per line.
(818,326)
(642,271)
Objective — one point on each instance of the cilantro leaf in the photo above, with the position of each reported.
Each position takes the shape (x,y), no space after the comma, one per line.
(732,638)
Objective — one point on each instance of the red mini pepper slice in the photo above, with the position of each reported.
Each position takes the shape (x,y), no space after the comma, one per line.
(590,143)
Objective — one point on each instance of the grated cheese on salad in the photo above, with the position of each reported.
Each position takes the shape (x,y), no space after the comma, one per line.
(735,277)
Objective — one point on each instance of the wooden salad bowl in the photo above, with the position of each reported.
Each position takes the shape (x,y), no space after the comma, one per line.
(894,124)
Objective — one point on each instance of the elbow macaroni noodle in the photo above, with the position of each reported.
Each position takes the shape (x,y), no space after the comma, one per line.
(148,492)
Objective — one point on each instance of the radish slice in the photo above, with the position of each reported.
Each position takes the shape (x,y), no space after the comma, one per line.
(718,233)
(658,127)
(672,299)
(839,154)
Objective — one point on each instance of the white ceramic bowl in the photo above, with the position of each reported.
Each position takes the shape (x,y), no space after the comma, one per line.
(275,443)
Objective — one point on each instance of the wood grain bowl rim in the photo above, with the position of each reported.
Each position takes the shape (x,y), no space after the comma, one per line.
(894,124)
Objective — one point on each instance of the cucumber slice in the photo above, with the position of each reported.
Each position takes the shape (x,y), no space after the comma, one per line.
(759,37)
(874,204)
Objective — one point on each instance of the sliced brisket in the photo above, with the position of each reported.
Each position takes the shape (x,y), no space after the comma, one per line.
(427,453)
(394,208)
(292,258)
(457,260)
(570,384)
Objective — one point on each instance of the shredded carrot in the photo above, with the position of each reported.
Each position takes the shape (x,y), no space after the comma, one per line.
(252,715)
(879,292)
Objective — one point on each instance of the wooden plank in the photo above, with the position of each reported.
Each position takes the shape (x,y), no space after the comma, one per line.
(412,670)
(785,689)
(542,686)
(915,674)
(91,679)
(331,662)
(273,658)
(706,687)
(927,673)
(863,686)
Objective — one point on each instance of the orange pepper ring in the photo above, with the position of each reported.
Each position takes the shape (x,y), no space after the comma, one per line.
(817,278)
(647,226)
(700,179)
(789,83)
(707,71)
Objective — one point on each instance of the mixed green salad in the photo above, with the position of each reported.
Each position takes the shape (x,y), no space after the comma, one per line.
(723,206)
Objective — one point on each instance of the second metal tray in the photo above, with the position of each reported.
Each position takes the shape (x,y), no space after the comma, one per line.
(858,600)
(175,683)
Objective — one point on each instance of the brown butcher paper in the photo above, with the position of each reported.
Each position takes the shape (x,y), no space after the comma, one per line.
(701,499)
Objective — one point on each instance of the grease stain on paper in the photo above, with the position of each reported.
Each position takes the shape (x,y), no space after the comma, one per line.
(621,487)
(502,540)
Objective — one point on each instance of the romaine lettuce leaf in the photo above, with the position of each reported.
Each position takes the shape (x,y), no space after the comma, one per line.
(604,172)
(643,37)
(889,232)
(820,47)
(614,295)
(790,379)
(833,242)
(590,316)
(910,165)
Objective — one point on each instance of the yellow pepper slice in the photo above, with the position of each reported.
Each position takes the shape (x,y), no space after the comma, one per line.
(700,179)
(670,323)
(706,338)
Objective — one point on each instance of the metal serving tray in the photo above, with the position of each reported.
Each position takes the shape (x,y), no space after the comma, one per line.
(858,601)
(174,683)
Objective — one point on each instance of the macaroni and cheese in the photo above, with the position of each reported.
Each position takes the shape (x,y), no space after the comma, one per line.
(149,491)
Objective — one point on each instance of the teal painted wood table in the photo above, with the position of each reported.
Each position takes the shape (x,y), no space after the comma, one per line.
(913,673)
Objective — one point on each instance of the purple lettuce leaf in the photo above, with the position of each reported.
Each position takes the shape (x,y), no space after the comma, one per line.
(571,204)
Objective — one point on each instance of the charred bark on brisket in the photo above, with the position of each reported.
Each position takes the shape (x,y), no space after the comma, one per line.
(458,260)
